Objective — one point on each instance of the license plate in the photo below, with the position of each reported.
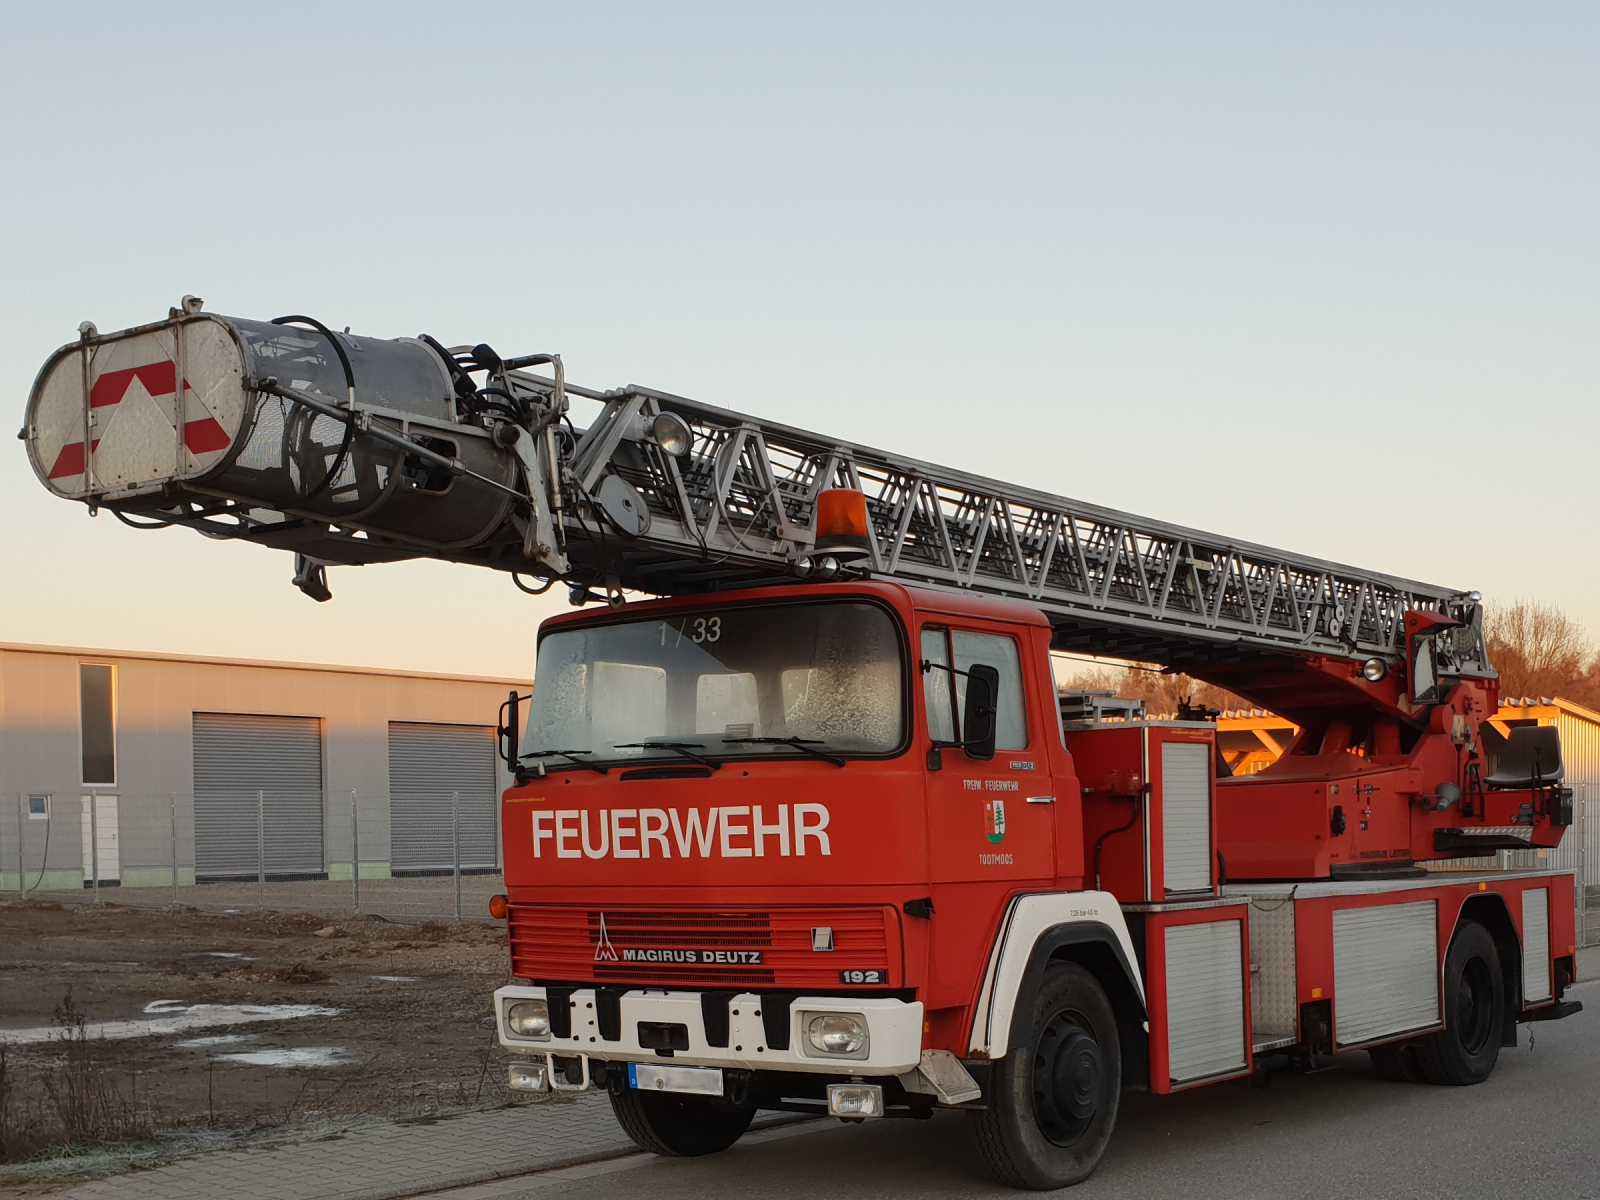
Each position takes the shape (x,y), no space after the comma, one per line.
(696,1081)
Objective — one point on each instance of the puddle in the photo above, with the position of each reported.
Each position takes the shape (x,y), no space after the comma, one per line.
(168,1017)
(221,1039)
(239,954)
(394,978)
(298,1056)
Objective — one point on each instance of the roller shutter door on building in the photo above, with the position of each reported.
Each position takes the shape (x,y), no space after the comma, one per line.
(427,763)
(235,758)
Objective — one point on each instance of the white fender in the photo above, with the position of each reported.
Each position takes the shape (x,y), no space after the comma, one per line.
(1025,921)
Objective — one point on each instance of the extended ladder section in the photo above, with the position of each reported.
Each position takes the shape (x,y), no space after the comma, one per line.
(355,450)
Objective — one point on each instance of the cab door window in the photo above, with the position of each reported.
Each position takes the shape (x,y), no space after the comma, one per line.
(936,691)
(945,693)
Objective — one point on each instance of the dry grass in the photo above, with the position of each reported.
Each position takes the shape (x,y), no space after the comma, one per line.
(74,1095)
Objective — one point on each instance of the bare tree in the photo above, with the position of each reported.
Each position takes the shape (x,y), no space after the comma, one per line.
(1540,651)
(1160,691)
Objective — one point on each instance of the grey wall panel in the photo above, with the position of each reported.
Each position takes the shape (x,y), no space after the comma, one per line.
(1205,1000)
(1186,816)
(1385,970)
(236,757)
(427,763)
(1536,946)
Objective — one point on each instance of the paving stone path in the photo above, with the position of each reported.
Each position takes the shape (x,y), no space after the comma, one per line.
(383,1162)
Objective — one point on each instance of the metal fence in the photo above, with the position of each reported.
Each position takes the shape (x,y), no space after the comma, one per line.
(142,850)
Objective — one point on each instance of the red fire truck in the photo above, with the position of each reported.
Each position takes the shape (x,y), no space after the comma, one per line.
(811,831)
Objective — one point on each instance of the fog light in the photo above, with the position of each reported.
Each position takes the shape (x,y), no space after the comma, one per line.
(803,568)
(855,1100)
(529,1019)
(827,567)
(838,1033)
(671,433)
(1374,669)
(526,1077)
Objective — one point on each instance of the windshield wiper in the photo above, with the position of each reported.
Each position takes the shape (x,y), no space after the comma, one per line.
(687,749)
(570,755)
(808,745)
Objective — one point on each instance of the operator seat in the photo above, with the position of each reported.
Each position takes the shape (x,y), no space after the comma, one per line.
(1531,759)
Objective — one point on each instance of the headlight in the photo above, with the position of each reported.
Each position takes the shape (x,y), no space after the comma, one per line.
(838,1033)
(529,1019)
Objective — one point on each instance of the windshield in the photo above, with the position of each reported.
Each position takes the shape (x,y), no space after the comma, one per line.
(828,674)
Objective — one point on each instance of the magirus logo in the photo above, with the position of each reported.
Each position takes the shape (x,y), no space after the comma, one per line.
(604,951)
(994,818)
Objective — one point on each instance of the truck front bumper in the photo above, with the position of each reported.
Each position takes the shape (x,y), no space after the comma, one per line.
(894,1034)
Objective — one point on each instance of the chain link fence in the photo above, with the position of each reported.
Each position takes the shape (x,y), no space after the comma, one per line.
(407,858)
(404,857)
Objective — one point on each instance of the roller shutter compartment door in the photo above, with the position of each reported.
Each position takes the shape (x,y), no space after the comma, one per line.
(1385,970)
(235,758)
(427,763)
(1205,1001)
(1186,817)
(1536,946)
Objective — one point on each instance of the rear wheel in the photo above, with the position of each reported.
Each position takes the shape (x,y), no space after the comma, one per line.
(679,1126)
(1466,1049)
(1053,1100)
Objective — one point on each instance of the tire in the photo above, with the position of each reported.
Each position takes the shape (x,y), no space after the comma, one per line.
(1465,1050)
(679,1126)
(1397,1064)
(1053,1100)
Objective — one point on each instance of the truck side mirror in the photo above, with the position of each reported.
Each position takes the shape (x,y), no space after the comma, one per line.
(978,713)
(508,737)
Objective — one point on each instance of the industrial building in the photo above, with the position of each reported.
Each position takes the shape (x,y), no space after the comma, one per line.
(131,767)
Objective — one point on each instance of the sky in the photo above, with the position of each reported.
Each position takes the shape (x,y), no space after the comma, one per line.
(1324,277)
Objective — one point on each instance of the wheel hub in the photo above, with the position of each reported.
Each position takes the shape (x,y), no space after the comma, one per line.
(1068,1077)
(1474,1006)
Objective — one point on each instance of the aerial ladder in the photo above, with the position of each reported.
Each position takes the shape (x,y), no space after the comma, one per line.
(350,450)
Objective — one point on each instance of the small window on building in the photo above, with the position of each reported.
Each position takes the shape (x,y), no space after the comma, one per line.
(97,722)
(38,808)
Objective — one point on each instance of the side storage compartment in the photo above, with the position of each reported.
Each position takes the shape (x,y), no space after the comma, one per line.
(1197,970)
(1149,829)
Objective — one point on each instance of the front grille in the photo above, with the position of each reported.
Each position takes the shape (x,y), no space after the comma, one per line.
(701,947)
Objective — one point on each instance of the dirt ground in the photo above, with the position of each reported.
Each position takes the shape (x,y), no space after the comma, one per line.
(154,993)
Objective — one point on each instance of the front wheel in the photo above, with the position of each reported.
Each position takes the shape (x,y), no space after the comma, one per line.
(1467,1048)
(1053,1100)
(679,1126)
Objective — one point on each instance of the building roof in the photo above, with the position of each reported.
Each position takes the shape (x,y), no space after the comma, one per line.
(206,660)
(1533,703)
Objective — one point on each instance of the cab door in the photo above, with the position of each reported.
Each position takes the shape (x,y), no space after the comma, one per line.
(987,819)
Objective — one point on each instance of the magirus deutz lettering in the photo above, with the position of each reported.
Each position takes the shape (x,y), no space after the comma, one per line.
(692,957)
